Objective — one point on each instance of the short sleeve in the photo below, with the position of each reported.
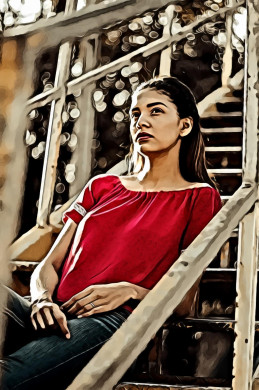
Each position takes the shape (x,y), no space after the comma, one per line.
(83,203)
(205,207)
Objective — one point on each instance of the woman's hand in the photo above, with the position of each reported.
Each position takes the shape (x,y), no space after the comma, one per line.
(99,298)
(46,315)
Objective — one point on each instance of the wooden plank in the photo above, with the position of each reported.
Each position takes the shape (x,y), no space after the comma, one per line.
(218,114)
(225,171)
(147,50)
(223,149)
(48,178)
(159,44)
(228,54)
(96,16)
(247,281)
(16,69)
(147,386)
(245,304)
(251,96)
(110,363)
(222,130)
(165,57)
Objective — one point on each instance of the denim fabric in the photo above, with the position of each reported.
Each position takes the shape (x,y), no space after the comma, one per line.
(49,360)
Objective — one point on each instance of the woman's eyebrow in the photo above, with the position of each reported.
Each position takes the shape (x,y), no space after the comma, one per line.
(149,105)
(155,104)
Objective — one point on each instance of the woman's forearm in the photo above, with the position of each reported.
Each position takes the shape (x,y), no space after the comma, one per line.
(43,282)
(45,277)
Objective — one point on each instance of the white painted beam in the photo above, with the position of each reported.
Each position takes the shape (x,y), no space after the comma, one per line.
(245,304)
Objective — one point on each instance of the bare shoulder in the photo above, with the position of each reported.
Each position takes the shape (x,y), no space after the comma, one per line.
(130,182)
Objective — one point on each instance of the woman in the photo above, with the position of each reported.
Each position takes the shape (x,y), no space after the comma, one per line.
(120,236)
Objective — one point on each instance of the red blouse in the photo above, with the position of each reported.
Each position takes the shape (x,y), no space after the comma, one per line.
(132,236)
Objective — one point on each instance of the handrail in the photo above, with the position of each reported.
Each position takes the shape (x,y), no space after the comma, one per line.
(57,29)
(106,369)
(96,74)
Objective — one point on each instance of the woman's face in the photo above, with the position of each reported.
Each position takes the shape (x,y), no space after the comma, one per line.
(155,123)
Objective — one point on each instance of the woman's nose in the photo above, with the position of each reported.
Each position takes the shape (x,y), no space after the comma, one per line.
(142,122)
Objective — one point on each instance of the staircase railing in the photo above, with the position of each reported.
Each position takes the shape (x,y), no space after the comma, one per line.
(106,368)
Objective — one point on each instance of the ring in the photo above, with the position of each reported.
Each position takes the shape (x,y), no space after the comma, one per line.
(92,304)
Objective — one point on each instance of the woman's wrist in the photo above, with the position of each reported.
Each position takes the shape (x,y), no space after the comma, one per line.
(136,292)
(44,297)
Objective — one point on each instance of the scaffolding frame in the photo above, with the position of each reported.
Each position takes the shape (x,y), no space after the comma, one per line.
(105,369)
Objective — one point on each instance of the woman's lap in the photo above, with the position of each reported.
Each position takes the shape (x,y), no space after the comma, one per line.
(52,360)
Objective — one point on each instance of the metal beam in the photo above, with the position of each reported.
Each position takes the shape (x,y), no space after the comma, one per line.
(94,75)
(165,57)
(251,96)
(48,178)
(245,303)
(110,363)
(53,139)
(153,47)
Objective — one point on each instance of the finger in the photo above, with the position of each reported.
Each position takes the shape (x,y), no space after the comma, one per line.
(62,322)
(96,310)
(88,307)
(48,317)
(33,323)
(40,320)
(80,304)
(77,297)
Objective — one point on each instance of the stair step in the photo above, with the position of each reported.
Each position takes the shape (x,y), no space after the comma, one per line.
(225,171)
(223,148)
(146,386)
(225,197)
(209,320)
(230,99)
(218,114)
(221,120)
(230,106)
(221,130)
(221,269)
(23,265)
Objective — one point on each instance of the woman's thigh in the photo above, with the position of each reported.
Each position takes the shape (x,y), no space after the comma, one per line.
(19,329)
(54,361)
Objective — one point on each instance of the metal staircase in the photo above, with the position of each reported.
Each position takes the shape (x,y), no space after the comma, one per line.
(227,248)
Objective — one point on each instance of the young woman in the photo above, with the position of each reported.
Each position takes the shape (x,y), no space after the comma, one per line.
(120,237)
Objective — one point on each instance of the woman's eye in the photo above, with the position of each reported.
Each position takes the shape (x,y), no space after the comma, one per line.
(156,110)
(134,115)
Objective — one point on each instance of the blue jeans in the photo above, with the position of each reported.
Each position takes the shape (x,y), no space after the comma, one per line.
(48,360)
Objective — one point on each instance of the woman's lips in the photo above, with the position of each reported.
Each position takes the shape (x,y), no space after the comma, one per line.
(144,136)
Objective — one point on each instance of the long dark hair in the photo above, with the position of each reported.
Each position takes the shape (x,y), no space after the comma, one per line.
(192,160)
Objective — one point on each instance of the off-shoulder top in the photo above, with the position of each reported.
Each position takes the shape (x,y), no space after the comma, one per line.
(133,236)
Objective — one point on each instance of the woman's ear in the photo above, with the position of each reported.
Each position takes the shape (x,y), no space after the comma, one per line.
(186,125)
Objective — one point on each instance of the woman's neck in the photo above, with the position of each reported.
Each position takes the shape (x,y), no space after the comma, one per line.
(164,170)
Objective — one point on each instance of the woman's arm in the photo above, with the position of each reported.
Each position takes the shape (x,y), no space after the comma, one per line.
(45,279)
(104,297)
